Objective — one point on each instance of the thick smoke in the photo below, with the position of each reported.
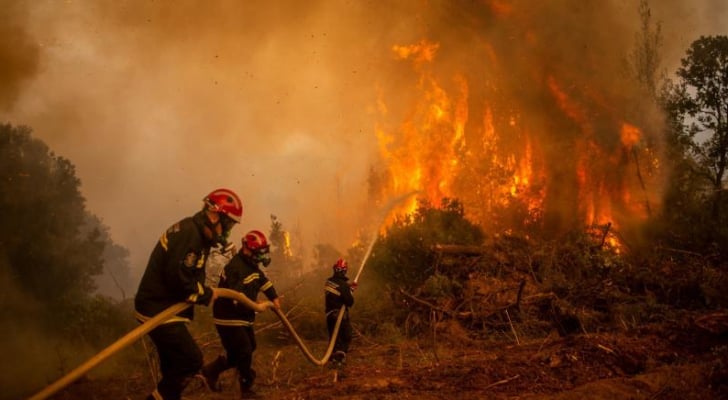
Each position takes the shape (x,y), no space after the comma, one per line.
(18,54)
(157,103)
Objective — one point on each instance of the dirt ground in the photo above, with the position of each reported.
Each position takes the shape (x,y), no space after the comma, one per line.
(675,360)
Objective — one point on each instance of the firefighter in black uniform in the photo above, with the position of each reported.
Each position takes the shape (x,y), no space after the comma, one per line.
(176,273)
(339,292)
(234,322)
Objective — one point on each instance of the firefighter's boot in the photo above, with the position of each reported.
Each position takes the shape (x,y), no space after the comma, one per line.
(337,360)
(246,386)
(211,372)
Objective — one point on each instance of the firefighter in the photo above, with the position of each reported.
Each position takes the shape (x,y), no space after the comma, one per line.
(338,293)
(234,322)
(175,273)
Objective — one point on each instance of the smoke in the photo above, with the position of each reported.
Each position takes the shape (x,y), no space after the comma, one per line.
(158,103)
(18,54)
(684,22)
(37,357)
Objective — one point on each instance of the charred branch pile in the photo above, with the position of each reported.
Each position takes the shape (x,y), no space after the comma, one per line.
(578,285)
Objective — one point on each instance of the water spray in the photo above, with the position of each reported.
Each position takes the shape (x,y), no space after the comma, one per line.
(375,235)
(304,349)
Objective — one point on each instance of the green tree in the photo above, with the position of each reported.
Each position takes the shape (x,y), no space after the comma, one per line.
(282,257)
(403,256)
(276,237)
(684,217)
(698,103)
(115,280)
(52,251)
(53,247)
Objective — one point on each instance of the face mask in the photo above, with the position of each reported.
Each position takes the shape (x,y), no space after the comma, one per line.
(262,256)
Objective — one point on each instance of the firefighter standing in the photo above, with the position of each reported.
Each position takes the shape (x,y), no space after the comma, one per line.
(176,273)
(234,322)
(338,293)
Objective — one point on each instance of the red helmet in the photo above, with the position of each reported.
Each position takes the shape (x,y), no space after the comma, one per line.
(255,240)
(225,201)
(341,265)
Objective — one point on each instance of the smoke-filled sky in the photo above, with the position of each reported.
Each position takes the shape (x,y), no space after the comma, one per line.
(156,103)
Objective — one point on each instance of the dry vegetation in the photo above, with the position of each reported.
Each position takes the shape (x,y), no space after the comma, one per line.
(512,319)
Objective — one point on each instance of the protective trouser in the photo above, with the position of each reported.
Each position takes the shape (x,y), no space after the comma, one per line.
(211,372)
(343,339)
(180,359)
(239,343)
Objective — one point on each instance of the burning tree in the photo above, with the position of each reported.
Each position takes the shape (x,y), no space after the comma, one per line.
(531,130)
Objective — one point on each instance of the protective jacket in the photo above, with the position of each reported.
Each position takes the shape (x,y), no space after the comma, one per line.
(241,274)
(176,271)
(338,293)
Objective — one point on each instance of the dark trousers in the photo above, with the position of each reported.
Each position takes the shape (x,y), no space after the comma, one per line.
(179,358)
(239,343)
(343,339)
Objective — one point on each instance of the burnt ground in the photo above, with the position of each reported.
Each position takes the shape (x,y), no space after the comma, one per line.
(667,360)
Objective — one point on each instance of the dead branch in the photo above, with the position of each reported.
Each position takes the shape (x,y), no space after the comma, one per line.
(274,367)
(642,182)
(433,323)
(502,381)
(426,303)
(458,249)
(521,286)
(605,348)
(513,329)
(680,251)
(604,235)
(151,361)
(530,268)
(278,323)
(715,323)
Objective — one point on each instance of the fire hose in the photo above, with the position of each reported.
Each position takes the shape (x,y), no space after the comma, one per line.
(168,313)
(340,317)
(137,334)
(165,315)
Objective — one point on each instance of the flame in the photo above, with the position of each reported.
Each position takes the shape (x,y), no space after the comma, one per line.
(424,157)
(501,164)
(630,135)
(420,53)
(287,244)
(597,195)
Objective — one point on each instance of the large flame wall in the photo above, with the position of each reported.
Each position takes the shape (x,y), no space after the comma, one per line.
(527,114)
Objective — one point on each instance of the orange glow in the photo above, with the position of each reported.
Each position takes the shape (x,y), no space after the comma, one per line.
(421,52)
(424,155)
(498,160)
(500,7)
(630,135)
(572,109)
